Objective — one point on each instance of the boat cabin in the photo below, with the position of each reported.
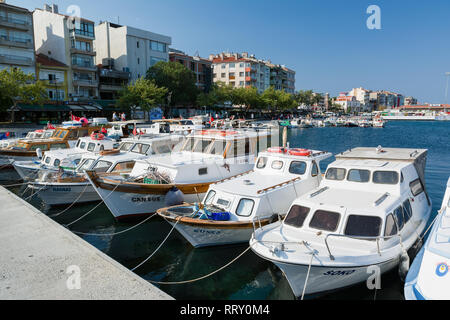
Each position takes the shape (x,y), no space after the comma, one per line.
(366,192)
(279,173)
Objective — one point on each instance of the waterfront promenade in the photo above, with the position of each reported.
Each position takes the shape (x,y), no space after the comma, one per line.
(39,259)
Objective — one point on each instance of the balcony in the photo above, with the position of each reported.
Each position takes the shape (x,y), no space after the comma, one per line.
(15,60)
(85,83)
(79,51)
(19,24)
(107,73)
(110,87)
(16,42)
(52,83)
(83,66)
(75,33)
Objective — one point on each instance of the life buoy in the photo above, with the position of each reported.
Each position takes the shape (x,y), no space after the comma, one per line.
(300,152)
(277,150)
(97,136)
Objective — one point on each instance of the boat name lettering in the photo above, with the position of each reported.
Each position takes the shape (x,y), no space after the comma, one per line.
(62,189)
(145,199)
(339,273)
(206,231)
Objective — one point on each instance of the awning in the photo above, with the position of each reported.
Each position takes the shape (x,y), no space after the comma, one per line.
(91,108)
(76,108)
(43,108)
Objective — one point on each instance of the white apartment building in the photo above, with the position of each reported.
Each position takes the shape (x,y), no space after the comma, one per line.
(69,41)
(243,70)
(16,38)
(133,50)
(349,103)
(363,96)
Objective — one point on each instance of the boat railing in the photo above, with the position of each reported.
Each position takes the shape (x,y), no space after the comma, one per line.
(377,239)
(278,185)
(229,178)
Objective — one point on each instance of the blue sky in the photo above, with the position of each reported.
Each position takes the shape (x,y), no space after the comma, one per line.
(326,42)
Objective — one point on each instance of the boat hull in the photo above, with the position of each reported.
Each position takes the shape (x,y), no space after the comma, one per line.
(62,194)
(324,279)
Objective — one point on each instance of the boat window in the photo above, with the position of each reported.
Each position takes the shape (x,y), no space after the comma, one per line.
(162,148)
(56,133)
(325,220)
(82,145)
(189,145)
(416,187)
(277,164)
(57,146)
(73,134)
(335,174)
(83,132)
(314,170)
(407,210)
(140,148)
(210,197)
(125,146)
(85,165)
(241,147)
(47,135)
(201,145)
(56,163)
(296,216)
(297,167)
(78,143)
(385,177)
(123,166)
(218,147)
(102,166)
(245,207)
(357,175)
(262,162)
(391,227)
(363,226)
(91,146)
(40,146)
(223,202)
(47,160)
(398,213)
(202,171)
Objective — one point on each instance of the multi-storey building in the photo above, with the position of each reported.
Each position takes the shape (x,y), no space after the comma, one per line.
(410,101)
(133,50)
(385,99)
(70,41)
(243,70)
(322,105)
(54,75)
(348,102)
(16,38)
(363,96)
(201,68)
(111,81)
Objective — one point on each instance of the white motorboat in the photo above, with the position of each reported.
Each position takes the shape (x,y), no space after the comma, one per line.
(369,210)
(67,159)
(58,188)
(32,135)
(205,157)
(232,206)
(378,123)
(428,277)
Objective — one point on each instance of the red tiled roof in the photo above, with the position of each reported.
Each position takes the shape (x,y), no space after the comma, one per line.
(49,62)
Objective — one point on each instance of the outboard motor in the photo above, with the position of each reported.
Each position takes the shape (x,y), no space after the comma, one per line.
(174,197)
(39,153)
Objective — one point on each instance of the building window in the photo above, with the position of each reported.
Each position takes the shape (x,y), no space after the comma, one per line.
(137,44)
(154,61)
(157,46)
(139,61)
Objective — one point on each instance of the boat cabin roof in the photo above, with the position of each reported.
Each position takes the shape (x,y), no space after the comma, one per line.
(380,153)
(227,134)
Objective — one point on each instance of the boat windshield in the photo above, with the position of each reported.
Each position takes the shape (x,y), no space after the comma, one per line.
(85,165)
(125,146)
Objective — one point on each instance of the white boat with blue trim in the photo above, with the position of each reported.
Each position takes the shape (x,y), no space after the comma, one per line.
(367,213)
(428,277)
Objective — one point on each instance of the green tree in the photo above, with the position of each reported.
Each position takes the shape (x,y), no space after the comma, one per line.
(18,87)
(278,99)
(143,93)
(305,97)
(179,81)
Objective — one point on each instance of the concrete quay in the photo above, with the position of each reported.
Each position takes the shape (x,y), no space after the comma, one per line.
(41,260)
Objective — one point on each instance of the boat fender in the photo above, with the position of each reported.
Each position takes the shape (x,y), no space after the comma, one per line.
(39,153)
(403,266)
(174,197)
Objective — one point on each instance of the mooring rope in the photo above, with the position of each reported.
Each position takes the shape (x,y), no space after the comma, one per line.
(14,185)
(116,233)
(159,247)
(90,211)
(35,193)
(76,200)
(307,276)
(205,276)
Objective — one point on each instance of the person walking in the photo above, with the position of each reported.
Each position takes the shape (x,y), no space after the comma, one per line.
(122,116)
(115,117)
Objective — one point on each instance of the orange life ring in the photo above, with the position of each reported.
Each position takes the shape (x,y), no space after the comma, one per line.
(97,136)
(277,150)
(300,152)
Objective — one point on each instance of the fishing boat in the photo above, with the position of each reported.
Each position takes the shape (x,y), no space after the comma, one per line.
(32,135)
(205,157)
(428,277)
(65,187)
(232,206)
(62,138)
(369,210)
(67,159)
(378,123)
